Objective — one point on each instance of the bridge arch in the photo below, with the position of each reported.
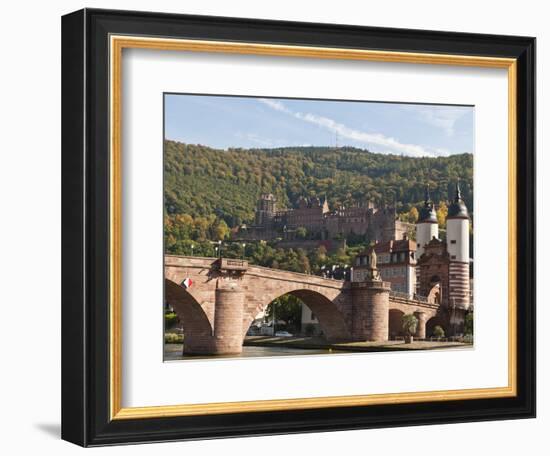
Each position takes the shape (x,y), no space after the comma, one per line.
(330,317)
(436,320)
(197,329)
(395,323)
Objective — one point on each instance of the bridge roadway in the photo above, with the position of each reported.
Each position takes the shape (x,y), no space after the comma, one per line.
(226,295)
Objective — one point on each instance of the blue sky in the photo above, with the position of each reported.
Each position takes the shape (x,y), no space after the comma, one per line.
(403,129)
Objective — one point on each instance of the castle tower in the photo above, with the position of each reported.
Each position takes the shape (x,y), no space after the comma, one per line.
(265,209)
(426,226)
(458,247)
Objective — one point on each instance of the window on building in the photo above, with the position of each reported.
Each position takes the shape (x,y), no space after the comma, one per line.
(453,257)
(453,241)
(312,316)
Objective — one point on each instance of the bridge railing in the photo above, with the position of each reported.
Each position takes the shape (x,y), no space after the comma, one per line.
(420,298)
(407,296)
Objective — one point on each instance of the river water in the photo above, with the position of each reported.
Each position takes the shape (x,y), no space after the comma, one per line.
(173,352)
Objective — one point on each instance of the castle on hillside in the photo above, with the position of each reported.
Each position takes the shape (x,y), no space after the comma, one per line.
(314,214)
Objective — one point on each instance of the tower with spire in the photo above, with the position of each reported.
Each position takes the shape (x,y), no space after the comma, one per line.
(426,226)
(458,247)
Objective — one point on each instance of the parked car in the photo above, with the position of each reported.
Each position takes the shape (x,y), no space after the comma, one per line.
(283,334)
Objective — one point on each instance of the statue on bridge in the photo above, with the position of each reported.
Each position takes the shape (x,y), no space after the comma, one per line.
(372,272)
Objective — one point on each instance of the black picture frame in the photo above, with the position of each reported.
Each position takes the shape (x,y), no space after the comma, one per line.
(85,224)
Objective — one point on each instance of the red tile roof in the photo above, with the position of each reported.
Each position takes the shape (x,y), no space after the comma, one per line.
(402,245)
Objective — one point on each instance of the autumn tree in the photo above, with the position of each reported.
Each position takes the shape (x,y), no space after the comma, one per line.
(413,215)
(303,261)
(441,214)
(319,255)
(301,232)
(220,230)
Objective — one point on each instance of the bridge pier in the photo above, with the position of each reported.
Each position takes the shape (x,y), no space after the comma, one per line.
(421,328)
(226,337)
(370,301)
(228,319)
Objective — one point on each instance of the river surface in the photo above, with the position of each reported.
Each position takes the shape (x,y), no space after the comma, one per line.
(173,352)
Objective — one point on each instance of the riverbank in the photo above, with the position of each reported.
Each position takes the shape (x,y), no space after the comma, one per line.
(318,343)
(174,352)
(266,346)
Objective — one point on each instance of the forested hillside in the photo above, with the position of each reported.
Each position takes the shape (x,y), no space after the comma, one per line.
(225,184)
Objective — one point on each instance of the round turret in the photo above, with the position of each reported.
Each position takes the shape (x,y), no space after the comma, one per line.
(458,229)
(427,211)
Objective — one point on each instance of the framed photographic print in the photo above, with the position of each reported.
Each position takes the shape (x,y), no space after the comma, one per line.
(278,227)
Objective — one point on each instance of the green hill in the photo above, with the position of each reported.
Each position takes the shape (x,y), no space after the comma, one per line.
(205,182)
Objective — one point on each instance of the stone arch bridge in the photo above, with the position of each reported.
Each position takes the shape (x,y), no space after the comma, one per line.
(217,299)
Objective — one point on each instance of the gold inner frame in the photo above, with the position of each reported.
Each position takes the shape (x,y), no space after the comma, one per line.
(117,44)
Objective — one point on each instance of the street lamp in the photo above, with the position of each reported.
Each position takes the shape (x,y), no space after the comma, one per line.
(244,247)
(192,247)
(274,317)
(220,247)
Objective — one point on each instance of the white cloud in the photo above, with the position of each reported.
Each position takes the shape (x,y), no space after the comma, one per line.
(274,104)
(376,139)
(443,117)
(261,140)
